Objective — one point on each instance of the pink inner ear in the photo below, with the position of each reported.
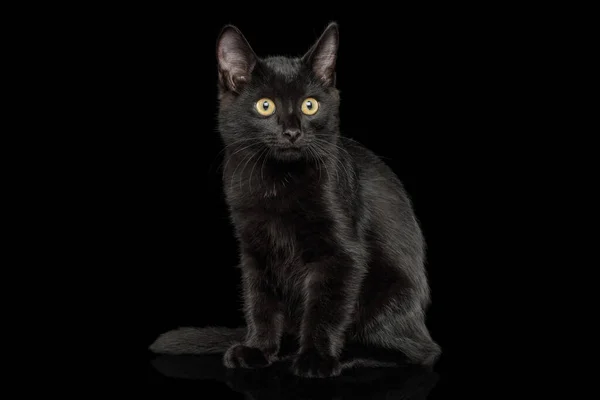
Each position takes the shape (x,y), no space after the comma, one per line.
(235,58)
(323,62)
(233,62)
(324,65)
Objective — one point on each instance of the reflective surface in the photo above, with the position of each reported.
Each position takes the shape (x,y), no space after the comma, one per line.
(211,380)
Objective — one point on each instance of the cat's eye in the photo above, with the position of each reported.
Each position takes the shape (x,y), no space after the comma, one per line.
(310,106)
(265,107)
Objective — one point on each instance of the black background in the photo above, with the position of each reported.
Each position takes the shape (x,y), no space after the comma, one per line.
(423,89)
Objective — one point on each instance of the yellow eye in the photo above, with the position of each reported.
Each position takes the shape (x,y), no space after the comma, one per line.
(265,107)
(310,106)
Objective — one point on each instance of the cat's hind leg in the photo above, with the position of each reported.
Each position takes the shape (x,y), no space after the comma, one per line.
(403,329)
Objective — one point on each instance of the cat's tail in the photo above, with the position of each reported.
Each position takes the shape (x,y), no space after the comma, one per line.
(208,340)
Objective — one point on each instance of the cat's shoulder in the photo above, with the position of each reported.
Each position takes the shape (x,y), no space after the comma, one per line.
(372,167)
(360,152)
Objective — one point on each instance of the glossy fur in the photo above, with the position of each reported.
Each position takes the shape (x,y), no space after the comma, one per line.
(332,255)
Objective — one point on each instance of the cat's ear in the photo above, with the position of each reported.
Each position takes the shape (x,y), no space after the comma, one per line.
(323,54)
(236,59)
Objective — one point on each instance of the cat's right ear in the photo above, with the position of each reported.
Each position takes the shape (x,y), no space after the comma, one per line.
(322,55)
(236,59)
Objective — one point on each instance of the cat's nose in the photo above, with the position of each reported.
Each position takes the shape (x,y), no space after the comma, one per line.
(292,134)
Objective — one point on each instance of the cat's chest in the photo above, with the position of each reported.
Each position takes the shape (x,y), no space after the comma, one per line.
(286,196)
(279,227)
(275,222)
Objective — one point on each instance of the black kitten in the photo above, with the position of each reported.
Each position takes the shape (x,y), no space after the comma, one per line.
(332,255)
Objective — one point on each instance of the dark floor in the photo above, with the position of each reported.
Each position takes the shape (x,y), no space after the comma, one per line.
(206,377)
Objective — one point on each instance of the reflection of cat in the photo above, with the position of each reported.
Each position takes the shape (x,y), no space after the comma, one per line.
(331,251)
(409,383)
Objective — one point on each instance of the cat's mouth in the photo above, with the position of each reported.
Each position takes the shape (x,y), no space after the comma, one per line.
(288,152)
(288,147)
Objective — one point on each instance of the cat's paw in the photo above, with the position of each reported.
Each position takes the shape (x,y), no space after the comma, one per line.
(310,364)
(240,356)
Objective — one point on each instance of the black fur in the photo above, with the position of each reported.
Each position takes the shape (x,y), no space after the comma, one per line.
(331,252)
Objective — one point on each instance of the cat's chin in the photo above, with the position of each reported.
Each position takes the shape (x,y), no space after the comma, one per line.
(287,154)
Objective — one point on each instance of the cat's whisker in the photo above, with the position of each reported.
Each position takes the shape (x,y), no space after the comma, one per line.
(254,166)
(320,164)
(227,146)
(332,143)
(331,153)
(348,139)
(231,156)
(263,164)
(336,146)
(235,170)
(315,157)
(324,163)
(244,168)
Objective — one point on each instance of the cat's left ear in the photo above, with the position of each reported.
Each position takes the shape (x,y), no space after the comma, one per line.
(236,59)
(323,54)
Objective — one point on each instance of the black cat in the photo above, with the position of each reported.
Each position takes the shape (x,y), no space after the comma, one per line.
(332,255)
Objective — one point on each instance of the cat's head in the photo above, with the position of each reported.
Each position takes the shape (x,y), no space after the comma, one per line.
(288,105)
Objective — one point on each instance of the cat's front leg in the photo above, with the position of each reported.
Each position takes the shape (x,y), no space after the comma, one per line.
(331,288)
(264,319)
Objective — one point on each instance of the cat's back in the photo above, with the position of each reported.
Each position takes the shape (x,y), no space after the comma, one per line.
(374,174)
(388,212)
